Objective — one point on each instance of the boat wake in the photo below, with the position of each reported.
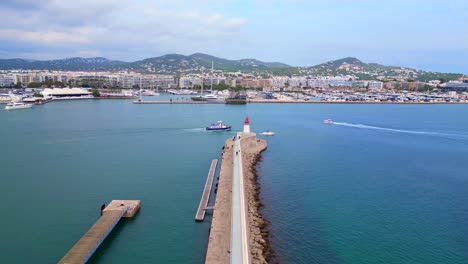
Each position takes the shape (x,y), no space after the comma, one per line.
(196,129)
(394,130)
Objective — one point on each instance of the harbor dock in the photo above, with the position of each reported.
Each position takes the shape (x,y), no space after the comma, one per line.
(82,251)
(179,102)
(203,206)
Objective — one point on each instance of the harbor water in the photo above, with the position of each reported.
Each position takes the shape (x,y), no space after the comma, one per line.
(383,184)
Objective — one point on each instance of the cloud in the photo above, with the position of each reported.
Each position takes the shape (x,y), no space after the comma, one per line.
(44,37)
(116,25)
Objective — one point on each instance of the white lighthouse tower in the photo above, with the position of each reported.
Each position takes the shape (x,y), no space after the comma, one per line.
(246,125)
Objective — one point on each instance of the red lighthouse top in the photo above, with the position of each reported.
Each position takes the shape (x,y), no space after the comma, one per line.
(246,122)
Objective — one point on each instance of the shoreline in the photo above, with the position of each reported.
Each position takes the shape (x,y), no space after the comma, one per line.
(256,101)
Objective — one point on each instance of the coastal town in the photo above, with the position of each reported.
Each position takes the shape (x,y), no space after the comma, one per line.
(41,86)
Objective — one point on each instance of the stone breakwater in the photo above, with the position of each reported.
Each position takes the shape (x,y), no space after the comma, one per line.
(220,232)
(260,249)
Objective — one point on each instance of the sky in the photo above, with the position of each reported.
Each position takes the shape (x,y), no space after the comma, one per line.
(429,35)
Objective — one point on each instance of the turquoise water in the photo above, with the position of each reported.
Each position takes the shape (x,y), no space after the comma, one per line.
(386,185)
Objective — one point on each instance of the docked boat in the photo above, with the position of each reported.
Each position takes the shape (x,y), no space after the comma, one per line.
(206,97)
(328,121)
(268,133)
(18,105)
(218,126)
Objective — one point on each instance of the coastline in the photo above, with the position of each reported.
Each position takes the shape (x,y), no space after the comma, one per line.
(260,249)
(272,101)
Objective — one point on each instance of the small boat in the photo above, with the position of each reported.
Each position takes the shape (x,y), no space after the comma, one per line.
(328,121)
(218,126)
(13,106)
(268,133)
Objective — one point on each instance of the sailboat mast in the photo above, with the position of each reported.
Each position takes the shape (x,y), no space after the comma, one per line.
(201,92)
(140,88)
(211,88)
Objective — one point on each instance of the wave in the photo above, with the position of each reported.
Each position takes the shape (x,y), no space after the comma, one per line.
(395,130)
(196,129)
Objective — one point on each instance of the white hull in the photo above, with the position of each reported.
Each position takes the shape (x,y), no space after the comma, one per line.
(14,107)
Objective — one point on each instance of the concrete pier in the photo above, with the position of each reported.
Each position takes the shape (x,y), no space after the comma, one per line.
(179,102)
(82,251)
(203,206)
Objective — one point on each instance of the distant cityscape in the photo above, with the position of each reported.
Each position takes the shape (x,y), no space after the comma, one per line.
(343,80)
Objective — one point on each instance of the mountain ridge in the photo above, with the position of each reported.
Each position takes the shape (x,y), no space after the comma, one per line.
(197,62)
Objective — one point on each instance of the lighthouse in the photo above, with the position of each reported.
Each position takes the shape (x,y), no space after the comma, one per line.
(246,125)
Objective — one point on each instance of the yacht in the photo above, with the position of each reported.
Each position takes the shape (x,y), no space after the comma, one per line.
(207,97)
(328,121)
(13,106)
(218,126)
(268,133)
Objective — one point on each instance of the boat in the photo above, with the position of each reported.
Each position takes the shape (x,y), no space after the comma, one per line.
(207,97)
(13,106)
(328,121)
(218,126)
(268,133)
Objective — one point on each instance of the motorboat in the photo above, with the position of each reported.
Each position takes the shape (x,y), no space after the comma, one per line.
(268,133)
(328,121)
(218,126)
(17,105)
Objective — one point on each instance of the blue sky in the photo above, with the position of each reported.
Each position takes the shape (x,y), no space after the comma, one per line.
(430,35)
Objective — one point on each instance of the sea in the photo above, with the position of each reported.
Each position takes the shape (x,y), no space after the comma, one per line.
(383,184)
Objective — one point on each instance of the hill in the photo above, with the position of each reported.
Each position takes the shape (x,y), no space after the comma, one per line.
(177,63)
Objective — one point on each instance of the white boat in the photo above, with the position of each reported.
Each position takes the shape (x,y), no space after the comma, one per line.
(13,106)
(328,121)
(268,133)
(208,97)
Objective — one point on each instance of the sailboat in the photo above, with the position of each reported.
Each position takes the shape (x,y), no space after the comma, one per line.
(210,96)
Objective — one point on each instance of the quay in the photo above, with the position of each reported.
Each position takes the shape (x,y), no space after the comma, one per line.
(178,102)
(82,251)
(203,206)
(235,229)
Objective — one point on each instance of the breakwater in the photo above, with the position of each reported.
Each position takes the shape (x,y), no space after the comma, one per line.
(219,243)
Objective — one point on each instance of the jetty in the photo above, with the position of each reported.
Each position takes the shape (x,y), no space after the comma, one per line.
(235,235)
(179,102)
(82,251)
(203,206)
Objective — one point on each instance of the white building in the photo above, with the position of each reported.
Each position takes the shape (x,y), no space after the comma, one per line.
(373,85)
(7,79)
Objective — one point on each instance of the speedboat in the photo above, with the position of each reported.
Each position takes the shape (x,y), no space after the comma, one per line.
(18,105)
(218,126)
(267,133)
(328,121)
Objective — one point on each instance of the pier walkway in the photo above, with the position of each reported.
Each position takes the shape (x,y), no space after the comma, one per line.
(203,206)
(82,251)
(239,229)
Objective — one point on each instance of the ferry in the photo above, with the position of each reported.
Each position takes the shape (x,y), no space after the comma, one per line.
(268,133)
(218,126)
(13,106)
(328,121)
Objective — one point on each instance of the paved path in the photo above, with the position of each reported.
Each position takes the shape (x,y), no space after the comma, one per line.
(239,237)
